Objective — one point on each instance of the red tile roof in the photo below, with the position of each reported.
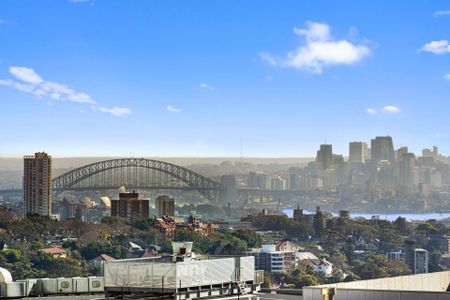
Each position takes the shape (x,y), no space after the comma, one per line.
(54,250)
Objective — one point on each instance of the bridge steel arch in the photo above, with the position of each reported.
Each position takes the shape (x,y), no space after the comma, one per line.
(207,187)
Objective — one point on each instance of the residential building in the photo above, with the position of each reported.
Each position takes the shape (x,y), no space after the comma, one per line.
(130,206)
(37,184)
(395,255)
(321,266)
(270,260)
(55,252)
(165,206)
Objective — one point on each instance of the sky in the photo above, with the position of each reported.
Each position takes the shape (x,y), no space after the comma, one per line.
(271,78)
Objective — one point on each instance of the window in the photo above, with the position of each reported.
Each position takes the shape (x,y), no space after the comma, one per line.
(96,284)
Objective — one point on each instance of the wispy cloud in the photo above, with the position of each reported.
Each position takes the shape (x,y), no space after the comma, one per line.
(173,109)
(447,77)
(441,13)
(206,86)
(391,109)
(440,134)
(388,109)
(2,21)
(28,81)
(116,111)
(436,47)
(319,50)
(371,111)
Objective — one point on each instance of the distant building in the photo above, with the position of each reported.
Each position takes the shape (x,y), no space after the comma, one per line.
(165,206)
(395,255)
(324,157)
(130,206)
(321,266)
(382,148)
(416,258)
(270,260)
(55,252)
(37,184)
(357,153)
(406,169)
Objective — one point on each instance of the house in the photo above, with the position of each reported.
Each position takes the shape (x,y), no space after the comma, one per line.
(286,245)
(99,261)
(55,252)
(321,266)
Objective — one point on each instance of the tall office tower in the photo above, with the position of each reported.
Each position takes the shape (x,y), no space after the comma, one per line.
(130,206)
(382,148)
(406,169)
(37,184)
(325,157)
(165,206)
(357,153)
(400,151)
(434,153)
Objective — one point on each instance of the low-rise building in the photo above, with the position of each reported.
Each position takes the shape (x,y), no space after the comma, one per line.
(269,259)
(321,266)
(55,252)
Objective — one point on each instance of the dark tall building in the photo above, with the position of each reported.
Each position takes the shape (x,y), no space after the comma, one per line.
(130,206)
(382,148)
(357,153)
(37,184)
(165,206)
(324,157)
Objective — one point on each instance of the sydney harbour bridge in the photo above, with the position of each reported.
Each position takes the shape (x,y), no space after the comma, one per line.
(148,174)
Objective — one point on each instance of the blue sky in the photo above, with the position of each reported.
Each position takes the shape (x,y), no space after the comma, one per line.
(193,78)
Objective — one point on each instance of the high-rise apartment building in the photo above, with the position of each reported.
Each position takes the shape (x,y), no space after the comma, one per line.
(406,169)
(37,184)
(129,206)
(357,153)
(165,206)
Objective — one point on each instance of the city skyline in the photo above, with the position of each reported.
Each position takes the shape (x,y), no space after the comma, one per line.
(159,82)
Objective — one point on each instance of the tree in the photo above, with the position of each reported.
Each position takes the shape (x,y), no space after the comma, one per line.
(318,223)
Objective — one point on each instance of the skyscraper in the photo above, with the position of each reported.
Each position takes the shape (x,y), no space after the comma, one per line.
(357,152)
(406,169)
(382,148)
(37,184)
(324,157)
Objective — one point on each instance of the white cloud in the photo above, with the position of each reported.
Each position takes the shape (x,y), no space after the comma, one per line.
(2,21)
(269,78)
(26,74)
(441,13)
(439,134)
(391,109)
(206,86)
(436,47)
(28,81)
(371,111)
(173,109)
(447,77)
(319,50)
(116,111)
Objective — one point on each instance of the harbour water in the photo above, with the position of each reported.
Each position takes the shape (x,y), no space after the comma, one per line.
(384,216)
